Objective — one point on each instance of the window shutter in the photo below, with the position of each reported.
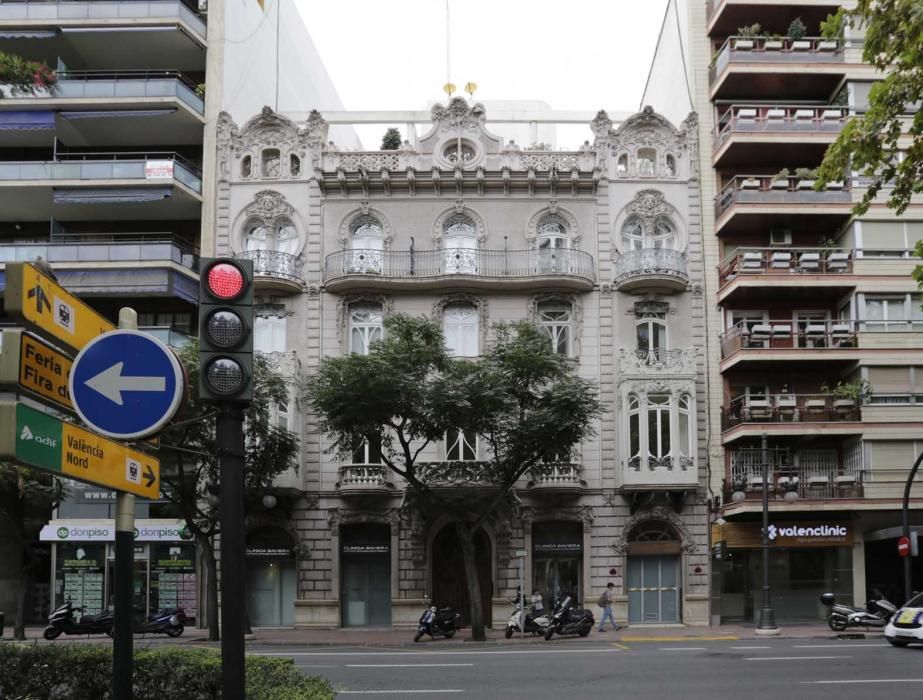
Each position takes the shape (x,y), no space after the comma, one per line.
(890,380)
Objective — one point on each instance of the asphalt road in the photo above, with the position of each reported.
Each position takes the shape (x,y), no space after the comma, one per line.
(777,669)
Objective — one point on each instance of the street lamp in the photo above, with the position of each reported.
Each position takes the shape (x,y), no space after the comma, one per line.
(767,624)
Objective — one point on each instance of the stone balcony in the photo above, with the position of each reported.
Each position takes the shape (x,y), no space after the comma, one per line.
(471,268)
(558,479)
(275,271)
(654,269)
(657,362)
(364,480)
(659,474)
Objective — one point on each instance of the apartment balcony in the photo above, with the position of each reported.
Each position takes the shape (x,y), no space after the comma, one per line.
(659,362)
(457,478)
(275,271)
(153,265)
(748,68)
(357,480)
(659,474)
(790,415)
(723,17)
(469,268)
(80,186)
(557,479)
(138,34)
(651,269)
(794,475)
(758,274)
(761,133)
(753,204)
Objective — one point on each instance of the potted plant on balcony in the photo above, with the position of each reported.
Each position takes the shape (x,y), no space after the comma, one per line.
(848,395)
(780,179)
(796,32)
(21,77)
(773,43)
(750,183)
(744,41)
(806,178)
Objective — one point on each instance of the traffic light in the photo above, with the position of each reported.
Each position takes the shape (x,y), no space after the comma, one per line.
(226,330)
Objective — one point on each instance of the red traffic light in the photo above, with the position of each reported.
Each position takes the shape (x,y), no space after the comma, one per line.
(903,546)
(225,280)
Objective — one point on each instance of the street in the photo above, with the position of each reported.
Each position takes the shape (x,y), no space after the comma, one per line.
(793,669)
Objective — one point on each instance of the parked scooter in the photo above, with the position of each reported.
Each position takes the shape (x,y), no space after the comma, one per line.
(536,621)
(61,621)
(443,623)
(567,619)
(875,614)
(170,621)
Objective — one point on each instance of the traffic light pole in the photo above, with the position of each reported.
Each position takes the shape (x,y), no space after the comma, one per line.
(123,642)
(229,440)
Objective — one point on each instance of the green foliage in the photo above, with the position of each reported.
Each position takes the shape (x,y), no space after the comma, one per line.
(796,30)
(76,672)
(783,174)
(391,141)
(539,146)
(868,143)
(749,31)
(857,390)
(200,90)
(25,76)
(806,173)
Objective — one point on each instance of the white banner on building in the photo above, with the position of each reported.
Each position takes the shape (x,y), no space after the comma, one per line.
(158,170)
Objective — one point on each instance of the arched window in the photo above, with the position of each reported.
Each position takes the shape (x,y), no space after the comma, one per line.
(633,234)
(664,234)
(685,433)
(286,237)
(634,432)
(460,330)
(639,235)
(294,165)
(621,166)
(647,162)
(271,163)
(246,166)
(551,238)
(658,429)
(555,321)
(460,244)
(651,333)
(365,327)
(671,166)
(366,242)
(460,447)
(459,155)
(256,235)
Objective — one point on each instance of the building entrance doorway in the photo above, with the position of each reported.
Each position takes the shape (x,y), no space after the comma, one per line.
(365,573)
(271,578)
(449,586)
(653,583)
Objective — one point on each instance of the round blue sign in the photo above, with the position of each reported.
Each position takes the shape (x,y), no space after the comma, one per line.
(126,384)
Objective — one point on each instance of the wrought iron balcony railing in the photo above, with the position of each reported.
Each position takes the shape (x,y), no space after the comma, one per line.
(650,263)
(421,264)
(808,474)
(657,361)
(784,261)
(272,263)
(790,408)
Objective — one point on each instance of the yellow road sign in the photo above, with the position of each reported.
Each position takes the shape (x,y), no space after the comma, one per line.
(50,309)
(36,368)
(39,440)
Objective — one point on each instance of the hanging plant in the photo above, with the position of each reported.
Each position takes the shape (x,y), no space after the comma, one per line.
(24,76)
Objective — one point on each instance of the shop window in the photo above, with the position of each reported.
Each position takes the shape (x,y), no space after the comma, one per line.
(271,162)
(460,330)
(173,577)
(557,560)
(80,576)
(294,165)
(460,447)
(246,166)
(366,323)
(555,321)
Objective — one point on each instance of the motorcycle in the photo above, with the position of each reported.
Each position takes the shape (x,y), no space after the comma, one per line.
(169,621)
(62,620)
(567,619)
(444,623)
(536,621)
(876,613)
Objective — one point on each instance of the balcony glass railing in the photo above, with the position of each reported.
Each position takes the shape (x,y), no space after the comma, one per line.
(650,262)
(101,10)
(120,84)
(773,189)
(77,251)
(789,408)
(782,50)
(95,166)
(784,261)
(271,263)
(460,261)
(789,119)
(808,474)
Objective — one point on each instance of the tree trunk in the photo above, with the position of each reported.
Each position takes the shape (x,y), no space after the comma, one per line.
(469,556)
(25,583)
(211,589)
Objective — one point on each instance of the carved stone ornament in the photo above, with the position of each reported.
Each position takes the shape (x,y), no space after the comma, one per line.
(647,208)
(459,115)
(601,126)
(690,129)
(553,209)
(680,361)
(313,288)
(466,299)
(268,205)
(346,301)
(438,233)
(605,288)
(347,226)
(657,513)
(574,301)
(647,129)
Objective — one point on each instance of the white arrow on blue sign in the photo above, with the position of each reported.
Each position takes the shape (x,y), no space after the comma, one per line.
(126,384)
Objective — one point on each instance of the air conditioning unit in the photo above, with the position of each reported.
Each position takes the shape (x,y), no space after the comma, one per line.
(780,236)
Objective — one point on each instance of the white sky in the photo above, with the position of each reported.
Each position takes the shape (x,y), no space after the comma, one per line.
(571,54)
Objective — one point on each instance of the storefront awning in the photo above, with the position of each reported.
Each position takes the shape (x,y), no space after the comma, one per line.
(117,113)
(80,530)
(27,34)
(110,195)
(27,120)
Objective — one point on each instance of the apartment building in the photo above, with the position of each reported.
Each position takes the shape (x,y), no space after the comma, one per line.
(600,246)
(104,110)
(814,324)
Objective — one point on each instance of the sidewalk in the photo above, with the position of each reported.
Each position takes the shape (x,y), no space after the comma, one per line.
(390,637)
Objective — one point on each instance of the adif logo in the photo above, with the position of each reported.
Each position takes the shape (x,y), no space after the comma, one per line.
(26,433)
(771,531)
(45,440)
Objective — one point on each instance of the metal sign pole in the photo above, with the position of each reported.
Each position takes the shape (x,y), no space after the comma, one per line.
(122,644)
(522,610)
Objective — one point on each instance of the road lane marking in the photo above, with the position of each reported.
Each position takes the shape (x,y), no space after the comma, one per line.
(395,692)
(403,665)
(432,653)
(794,658)
(744,648)
(621,646)
(870,680)
(681,649)
(725,638)
(836,646)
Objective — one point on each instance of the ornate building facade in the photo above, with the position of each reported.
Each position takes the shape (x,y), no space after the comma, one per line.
(600,247)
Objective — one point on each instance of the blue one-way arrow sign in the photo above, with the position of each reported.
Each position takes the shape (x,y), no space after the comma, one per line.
(126,384)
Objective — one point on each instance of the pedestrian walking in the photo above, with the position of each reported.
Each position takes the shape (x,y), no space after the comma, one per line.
(605,602)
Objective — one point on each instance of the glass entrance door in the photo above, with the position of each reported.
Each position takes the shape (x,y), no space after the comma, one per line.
(653,589)
(366,590)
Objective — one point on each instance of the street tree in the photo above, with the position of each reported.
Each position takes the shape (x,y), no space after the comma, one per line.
(526,403)
(870,142)
(391,141)
(190,471)
(27,497)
